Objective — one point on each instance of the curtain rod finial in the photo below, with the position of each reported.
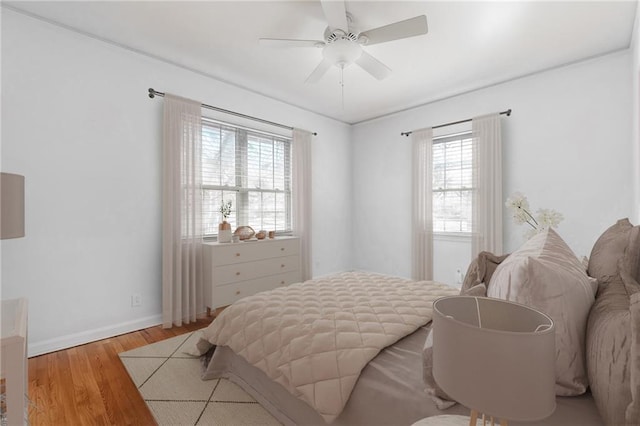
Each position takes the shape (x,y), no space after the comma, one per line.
(509,112)
(151,93)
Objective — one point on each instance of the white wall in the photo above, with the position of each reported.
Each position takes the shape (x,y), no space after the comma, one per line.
(451,257)
(78,124)
(566,146)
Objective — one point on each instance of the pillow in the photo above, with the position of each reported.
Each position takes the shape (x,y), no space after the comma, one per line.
(439,397)
(631,259)
(633,410)
(608,249)
(481,269)
(545,274)
(613,335)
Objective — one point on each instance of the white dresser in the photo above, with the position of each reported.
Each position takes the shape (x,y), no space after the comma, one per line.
(236,270)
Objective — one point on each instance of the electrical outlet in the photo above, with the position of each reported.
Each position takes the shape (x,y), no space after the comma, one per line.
(136,300)
(458,276)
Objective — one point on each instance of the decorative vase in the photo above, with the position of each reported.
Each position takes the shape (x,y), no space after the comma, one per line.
(224,232)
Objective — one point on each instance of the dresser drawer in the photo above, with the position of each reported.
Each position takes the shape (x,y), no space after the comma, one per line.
(225,254)
(227,294)
(227,274)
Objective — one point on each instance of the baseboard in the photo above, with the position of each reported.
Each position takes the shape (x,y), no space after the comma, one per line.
(71,340)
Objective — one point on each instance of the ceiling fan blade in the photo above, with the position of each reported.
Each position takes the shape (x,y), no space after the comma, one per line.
(284,42)
(320,70)
(403,29)
(373,66)
(336,14)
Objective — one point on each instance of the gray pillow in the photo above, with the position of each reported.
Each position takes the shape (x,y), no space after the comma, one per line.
(631,259)
(610,365)
(608,249)
(481,269)
(633,410)
(545,274)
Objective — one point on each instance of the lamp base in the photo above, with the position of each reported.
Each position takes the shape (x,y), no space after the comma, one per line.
(451,420)
(446,420)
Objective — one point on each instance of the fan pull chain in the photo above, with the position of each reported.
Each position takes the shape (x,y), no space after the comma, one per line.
(342,84)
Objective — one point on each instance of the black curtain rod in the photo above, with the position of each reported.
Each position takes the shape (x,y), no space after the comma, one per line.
(154,93)
(507,113)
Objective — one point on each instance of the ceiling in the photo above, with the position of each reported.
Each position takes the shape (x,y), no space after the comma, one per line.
(469,44)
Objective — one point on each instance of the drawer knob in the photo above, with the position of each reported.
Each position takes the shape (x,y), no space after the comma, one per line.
(237,292)
(282,282)
(237,254)
(281,248)
(237,273)
(282,266)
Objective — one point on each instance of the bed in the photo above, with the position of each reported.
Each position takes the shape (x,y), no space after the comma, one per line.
(389,387)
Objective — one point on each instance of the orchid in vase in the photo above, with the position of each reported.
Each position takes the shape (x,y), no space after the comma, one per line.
(518,205)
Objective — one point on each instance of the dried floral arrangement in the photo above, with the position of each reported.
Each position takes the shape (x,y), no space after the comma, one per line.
(518,205)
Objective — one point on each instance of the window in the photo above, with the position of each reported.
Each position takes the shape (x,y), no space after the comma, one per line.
(250,168)
(452,183)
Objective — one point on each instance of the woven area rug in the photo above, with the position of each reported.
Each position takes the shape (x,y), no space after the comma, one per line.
(169,381)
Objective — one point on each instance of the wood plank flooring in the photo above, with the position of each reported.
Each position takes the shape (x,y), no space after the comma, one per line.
(88,385)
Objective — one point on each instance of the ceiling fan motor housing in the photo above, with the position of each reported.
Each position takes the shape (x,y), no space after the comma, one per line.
(342,49)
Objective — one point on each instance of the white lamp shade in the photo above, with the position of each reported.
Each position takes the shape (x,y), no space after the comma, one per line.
(488,356)
(11,206)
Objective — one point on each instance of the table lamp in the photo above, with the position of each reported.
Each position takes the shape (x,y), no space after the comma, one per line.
(495,357)
(11,206)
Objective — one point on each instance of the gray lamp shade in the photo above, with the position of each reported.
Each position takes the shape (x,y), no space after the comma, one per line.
(11,206)
(495,357)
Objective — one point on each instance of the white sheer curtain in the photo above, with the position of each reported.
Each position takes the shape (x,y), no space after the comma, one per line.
(422,217)
(487,181)
(182,286)
(301,176)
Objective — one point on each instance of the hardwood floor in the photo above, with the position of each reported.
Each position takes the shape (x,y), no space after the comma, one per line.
(88,385)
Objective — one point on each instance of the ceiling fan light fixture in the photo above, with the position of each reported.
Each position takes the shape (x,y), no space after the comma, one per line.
(342,52)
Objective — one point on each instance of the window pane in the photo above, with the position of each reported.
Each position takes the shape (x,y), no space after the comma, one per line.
(253,164)
(268,211)
(281,213)
(212,200)
(255,210)
(210,156)
(279,166)
(438,166)
(266,164)
(218,156)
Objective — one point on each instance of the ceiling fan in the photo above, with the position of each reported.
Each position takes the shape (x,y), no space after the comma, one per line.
(343,44)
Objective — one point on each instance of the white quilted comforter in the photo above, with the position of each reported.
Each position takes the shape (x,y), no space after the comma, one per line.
(314,338)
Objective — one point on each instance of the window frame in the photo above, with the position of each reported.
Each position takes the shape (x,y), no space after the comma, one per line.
(242,135)
(437,140)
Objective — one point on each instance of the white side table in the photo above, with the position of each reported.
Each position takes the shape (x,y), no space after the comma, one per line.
(13,359)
